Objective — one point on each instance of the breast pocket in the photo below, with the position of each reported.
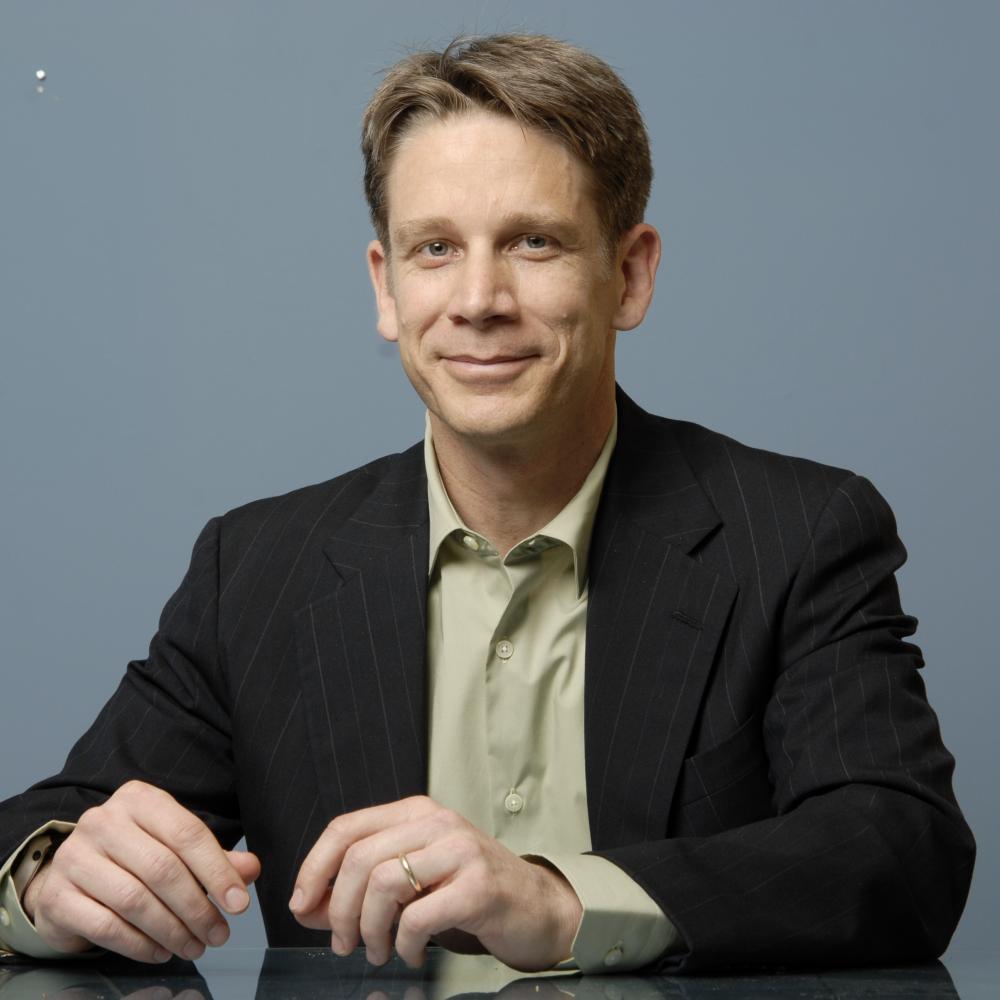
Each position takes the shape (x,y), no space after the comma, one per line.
(724,786)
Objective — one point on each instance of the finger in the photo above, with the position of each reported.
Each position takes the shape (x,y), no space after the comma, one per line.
(81,916)
(447,907)
(324,861)
(122,893)
(389,890)
(167,821)
(318,918)
(359,864)
(162,872)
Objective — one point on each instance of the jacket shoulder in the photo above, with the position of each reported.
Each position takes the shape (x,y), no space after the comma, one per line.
(713,455)
(278,527)
(746,482)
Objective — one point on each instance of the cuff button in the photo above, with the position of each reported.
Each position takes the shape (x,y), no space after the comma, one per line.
(614,956)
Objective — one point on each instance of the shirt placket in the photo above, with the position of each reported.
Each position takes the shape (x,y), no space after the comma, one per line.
(510,742)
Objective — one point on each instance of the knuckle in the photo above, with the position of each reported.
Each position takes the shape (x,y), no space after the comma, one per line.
(413,923)
(383,878)
(105,930)
(356,858)
(133,789)
(338,918)
(447,819)
(188,832)
(420,805)
(217,877)
(163,869)
(336,825)
(91,819)
(176,938)
(69,854)
(131,899)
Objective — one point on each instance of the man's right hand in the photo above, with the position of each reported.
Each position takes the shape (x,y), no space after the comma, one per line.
(141,876)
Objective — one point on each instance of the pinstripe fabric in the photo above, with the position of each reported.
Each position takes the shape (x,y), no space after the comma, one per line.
(760,754)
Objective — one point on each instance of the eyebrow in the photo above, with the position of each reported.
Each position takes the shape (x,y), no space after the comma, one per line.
(414,229)
(406,232)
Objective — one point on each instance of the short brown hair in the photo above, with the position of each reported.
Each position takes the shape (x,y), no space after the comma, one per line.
(538,81)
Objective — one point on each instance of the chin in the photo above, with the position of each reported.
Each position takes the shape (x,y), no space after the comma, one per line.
(489,422)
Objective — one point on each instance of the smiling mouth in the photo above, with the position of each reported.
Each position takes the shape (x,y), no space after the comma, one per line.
(499,359)
(499,368)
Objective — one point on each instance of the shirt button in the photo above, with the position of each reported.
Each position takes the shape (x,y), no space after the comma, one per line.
(505,649)
(4,917)
(514,802)
(614,956)
(470,543)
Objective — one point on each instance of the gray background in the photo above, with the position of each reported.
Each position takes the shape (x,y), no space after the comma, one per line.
(185,322)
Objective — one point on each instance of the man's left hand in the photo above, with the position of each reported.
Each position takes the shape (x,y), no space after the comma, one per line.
(354,883)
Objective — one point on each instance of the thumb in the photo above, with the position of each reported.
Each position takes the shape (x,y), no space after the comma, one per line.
(247,865)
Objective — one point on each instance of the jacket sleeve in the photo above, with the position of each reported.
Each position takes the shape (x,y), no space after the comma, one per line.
(167,723)
(867,858)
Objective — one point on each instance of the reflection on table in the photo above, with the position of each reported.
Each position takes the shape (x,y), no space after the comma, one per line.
(311,975)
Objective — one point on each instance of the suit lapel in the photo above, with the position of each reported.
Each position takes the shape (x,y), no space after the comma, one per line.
(655,618)
(362,647)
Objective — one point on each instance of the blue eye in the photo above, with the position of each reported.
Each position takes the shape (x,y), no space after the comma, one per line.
(436,249)
(535,242)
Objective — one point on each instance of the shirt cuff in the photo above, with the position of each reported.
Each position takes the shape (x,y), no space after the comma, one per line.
(17,932)
(622,928)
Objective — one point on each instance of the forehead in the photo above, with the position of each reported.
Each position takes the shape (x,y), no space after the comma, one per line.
(485,165)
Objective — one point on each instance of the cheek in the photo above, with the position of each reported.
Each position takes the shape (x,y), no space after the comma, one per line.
(563,296)
(417,308)
(557,306)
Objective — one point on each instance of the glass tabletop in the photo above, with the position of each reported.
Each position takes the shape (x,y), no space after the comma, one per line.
(305,974)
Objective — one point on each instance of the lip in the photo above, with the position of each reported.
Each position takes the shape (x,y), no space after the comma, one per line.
(497,368)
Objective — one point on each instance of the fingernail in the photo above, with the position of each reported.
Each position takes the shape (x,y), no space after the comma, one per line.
(219,934)
(161,993)
(161,955)
(193,950)
(237,900)
(336,944)
(296,900)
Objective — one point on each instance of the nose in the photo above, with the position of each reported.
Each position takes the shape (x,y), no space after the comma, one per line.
(483,291)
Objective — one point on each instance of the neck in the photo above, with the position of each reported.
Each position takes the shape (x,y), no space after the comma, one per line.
(506,492)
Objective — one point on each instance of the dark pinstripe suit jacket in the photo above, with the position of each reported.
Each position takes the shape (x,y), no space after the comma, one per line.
(760,754)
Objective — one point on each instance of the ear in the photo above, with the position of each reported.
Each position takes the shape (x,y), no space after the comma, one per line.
(636,262)
(385,304)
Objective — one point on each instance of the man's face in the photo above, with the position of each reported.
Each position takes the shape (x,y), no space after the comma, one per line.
(497,288)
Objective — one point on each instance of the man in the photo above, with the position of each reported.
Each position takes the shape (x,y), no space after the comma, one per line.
(428,689)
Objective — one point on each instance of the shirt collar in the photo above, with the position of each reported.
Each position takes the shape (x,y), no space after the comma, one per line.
(573,525)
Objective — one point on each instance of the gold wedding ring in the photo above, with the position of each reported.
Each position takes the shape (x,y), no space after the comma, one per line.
(414,881)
